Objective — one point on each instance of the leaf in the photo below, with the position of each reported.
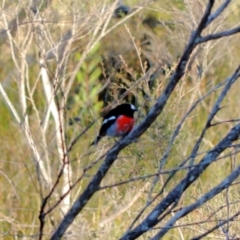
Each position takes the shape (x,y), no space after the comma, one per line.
(95,75)
(93,92)
(80,77)
(95,48)
(93,64)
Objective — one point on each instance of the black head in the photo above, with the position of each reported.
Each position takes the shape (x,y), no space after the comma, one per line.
(126,109)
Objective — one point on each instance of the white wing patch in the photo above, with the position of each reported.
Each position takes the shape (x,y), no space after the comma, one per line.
(108,119)
(133,107)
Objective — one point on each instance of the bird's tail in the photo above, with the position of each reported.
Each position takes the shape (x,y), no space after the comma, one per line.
(97,139)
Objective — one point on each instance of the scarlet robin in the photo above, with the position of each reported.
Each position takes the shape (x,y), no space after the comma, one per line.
(118,122)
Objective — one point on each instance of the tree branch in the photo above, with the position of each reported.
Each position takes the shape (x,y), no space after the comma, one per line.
(219,35)
(136,132)
(152,219)
(183,212)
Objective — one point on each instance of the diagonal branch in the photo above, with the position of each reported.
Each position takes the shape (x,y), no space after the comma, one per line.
(217,13)
(183,212)
(136,132)
(152,219)
(229,82)
(219,35)
(114,151)
(166,155)
(220,224)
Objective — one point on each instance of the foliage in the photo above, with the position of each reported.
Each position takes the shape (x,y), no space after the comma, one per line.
(87,88)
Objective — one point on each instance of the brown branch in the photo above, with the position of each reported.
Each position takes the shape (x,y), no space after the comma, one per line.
(136,132)
(218,35)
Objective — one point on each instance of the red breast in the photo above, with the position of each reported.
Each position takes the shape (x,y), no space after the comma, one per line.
(124,124)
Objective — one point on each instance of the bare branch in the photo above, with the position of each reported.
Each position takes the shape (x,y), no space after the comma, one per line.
(216,190)
(152,219)
(217,13)
(173,138)
(215,109)
(218,35)
(221,223)
(10,105)
(136,132)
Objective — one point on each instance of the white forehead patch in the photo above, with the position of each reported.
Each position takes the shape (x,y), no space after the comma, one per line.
(133,107)
(108,119)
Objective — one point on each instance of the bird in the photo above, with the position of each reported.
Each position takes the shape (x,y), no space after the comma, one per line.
(118,122)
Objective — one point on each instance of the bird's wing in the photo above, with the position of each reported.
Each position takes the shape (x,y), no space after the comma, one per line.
(107,122)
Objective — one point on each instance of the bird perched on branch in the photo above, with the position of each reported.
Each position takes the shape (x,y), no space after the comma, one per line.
(118,122)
